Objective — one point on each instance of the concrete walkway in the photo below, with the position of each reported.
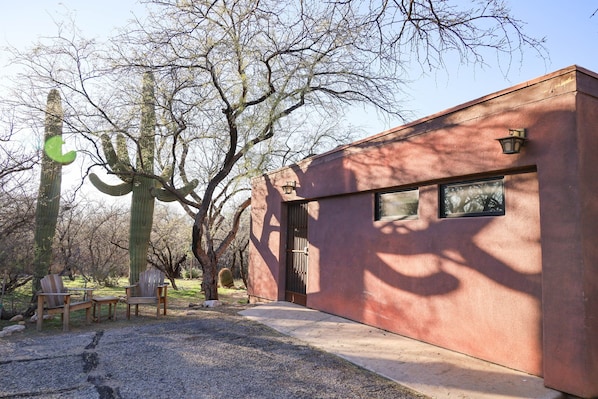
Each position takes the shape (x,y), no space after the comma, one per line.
(430,370)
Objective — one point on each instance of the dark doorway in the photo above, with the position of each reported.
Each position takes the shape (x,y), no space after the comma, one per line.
(297,250)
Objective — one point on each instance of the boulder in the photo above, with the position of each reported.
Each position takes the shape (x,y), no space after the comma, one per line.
(212,303)
(6,331)
(17,318)
(15,328)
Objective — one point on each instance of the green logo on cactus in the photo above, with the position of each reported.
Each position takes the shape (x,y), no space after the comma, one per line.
(53,148)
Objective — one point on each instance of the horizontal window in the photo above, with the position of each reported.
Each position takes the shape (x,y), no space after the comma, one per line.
(473,198)
(397,205)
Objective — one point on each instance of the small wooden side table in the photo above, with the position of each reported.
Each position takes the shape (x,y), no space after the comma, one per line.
(98,301)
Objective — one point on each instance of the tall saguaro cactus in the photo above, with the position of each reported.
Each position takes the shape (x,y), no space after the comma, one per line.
(48,197)
(137,180)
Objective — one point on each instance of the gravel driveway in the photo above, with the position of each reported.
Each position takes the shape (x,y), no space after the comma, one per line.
(214,355)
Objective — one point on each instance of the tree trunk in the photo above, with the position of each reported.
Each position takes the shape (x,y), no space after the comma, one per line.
(207,259)
(242,268)
(210,281)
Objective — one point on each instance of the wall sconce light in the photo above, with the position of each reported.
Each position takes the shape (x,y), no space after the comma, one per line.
(513,142)
(289,187)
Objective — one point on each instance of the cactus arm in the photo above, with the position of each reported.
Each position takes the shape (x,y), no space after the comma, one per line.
(119,163)
(116,191)
(121,149)
(166,172)
(164,195)
(109,152)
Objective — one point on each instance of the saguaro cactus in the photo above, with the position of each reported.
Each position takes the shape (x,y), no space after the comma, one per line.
(48,197)
(137,180)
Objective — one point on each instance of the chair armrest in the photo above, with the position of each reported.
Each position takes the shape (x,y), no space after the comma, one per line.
(41,295)
(129,290)
(162,290)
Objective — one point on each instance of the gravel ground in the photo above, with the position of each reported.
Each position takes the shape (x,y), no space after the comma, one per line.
(213,355)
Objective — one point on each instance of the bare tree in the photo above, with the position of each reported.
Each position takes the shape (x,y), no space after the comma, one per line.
(17,158)
(17,205)
(91,240)
(17,222)
(169,244)
(236,255)
(240,82)
(246,66)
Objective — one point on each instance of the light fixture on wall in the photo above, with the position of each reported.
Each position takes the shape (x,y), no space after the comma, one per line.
(513,142)
(289,187)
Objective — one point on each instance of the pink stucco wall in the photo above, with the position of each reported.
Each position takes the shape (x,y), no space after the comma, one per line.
(520,290)
(449,282)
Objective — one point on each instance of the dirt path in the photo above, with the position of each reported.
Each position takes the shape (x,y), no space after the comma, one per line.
(203,353)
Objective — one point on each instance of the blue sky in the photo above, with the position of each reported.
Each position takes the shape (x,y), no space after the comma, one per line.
(570,31)
(571,38)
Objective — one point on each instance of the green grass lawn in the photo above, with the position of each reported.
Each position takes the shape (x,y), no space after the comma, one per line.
(179,301)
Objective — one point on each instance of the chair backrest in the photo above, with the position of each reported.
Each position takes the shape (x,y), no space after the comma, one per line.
(149,280)
(52,284)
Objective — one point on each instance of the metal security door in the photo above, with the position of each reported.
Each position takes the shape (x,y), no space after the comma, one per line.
(297,250)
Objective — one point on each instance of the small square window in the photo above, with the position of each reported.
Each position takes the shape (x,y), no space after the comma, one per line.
(473,198)
(397,205)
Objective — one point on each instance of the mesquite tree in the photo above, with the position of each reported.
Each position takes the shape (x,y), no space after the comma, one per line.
(17,204)
(243,84)
(92,239)
(247,66)
(170,243)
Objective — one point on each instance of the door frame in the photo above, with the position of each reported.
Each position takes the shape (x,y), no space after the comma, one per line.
(296,249)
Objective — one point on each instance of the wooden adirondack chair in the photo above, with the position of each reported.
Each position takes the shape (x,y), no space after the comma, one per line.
(55,299)
(150,290)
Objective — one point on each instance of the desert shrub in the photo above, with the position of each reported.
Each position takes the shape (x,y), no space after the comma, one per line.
(194,273)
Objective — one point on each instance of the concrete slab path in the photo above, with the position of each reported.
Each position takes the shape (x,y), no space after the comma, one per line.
(430,370)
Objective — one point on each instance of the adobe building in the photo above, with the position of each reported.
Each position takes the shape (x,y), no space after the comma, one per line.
(431,231)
